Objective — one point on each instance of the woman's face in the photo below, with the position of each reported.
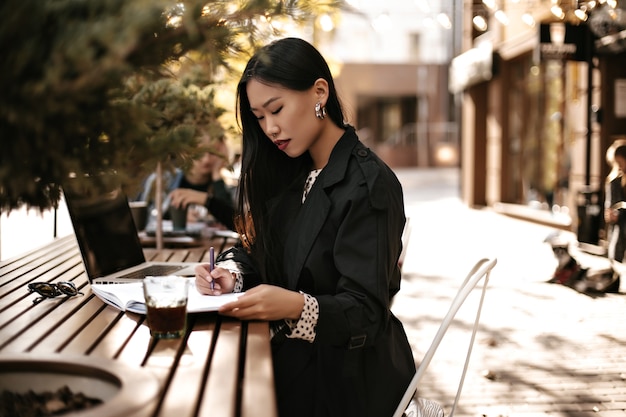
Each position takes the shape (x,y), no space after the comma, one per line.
(286,116)
(206,163)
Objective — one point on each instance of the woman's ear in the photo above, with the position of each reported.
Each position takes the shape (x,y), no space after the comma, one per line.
(320,88)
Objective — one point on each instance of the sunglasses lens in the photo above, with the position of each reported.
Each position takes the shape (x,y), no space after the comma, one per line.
(67,288)
(43,288)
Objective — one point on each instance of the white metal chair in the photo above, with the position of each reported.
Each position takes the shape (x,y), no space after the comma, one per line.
(480,271)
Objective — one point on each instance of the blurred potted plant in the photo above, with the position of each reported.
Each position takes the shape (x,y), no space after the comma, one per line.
(93,86)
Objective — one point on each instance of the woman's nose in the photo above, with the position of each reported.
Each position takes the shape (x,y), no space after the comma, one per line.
(271,128)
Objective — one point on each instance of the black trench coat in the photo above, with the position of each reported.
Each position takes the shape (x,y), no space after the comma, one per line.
(342,246)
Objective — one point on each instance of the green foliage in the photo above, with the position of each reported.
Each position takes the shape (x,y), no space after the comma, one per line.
(92,86)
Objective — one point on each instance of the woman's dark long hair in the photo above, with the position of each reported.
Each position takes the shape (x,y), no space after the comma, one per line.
(266,171)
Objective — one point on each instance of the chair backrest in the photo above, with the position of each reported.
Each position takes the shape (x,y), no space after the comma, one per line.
(480,271)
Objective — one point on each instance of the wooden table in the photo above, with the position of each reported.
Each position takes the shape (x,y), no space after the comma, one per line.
(221,239)
(222,367)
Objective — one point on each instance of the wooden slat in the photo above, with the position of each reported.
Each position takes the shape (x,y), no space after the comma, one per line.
(180,255)
(258,392)
(186,386)
(149,253)
(220,393)
(197,255)
(134,352)
(69,329)
(164,255)
(34,322)
(122,328)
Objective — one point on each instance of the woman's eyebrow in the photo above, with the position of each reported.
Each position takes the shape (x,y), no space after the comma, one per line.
(267,103)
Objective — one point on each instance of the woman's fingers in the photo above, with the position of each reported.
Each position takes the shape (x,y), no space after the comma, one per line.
(213,282)
(265,302)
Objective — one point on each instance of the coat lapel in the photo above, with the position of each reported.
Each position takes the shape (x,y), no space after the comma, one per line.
(313,213)
(307,224)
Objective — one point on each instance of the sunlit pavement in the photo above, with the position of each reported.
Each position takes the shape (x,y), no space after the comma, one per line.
(542,349)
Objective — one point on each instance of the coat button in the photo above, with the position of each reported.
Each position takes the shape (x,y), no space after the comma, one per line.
(362,153)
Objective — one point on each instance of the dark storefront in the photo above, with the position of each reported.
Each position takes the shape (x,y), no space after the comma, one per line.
(536,132)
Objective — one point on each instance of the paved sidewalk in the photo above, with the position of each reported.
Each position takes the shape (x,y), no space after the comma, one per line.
(542,349)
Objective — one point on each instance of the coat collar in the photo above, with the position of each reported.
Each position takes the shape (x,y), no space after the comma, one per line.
(337,165)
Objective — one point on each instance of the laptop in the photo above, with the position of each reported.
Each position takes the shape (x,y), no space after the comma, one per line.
(108,240)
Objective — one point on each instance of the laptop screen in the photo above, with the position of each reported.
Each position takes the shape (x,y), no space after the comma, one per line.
(105,232)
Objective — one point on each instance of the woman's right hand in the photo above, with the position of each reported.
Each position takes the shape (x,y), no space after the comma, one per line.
(223,279)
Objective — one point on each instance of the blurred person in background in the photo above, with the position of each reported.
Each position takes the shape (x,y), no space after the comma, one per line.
(201,187)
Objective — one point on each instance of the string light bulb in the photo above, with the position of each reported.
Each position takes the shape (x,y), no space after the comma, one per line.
(490,4)
(479,23)
(580,14)
(557,11)
(502,17)
(528,19)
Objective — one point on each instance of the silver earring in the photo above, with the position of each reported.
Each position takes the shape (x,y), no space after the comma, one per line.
(320,112)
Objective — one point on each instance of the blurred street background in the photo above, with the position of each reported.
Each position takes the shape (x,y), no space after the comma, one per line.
(542,349)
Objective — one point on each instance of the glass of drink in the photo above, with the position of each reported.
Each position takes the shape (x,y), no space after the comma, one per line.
(166,304)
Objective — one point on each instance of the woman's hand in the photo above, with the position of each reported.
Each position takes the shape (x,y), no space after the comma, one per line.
(266,302)
(183,197)
(224,281)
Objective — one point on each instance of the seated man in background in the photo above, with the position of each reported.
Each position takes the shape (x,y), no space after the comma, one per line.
(202,185)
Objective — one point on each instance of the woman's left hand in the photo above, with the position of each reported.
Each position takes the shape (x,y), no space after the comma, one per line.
(266,302)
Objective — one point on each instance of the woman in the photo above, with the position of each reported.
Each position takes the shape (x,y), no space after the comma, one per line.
(615,201)
(321,241)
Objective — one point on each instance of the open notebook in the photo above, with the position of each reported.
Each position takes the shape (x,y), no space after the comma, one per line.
(129,297)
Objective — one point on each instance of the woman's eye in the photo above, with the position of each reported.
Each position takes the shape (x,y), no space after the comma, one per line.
(277,110)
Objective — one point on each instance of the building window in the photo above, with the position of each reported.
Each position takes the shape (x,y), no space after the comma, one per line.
(386,118)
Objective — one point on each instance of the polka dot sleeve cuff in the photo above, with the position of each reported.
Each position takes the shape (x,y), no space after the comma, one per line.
(304,328)
(234,270)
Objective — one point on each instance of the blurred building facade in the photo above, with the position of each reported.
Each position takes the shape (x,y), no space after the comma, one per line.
(392,73)
(544,96)
(525,95)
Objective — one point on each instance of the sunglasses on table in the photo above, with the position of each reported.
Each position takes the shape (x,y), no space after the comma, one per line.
(50,290)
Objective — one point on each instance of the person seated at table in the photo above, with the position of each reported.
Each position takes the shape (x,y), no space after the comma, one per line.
(202,185)
(321,238)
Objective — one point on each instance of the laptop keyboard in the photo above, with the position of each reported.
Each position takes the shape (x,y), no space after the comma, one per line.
(153,270)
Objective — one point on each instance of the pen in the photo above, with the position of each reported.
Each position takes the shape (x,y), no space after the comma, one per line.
(212,265)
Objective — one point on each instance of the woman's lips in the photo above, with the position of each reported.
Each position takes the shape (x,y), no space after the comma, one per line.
(281,144)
